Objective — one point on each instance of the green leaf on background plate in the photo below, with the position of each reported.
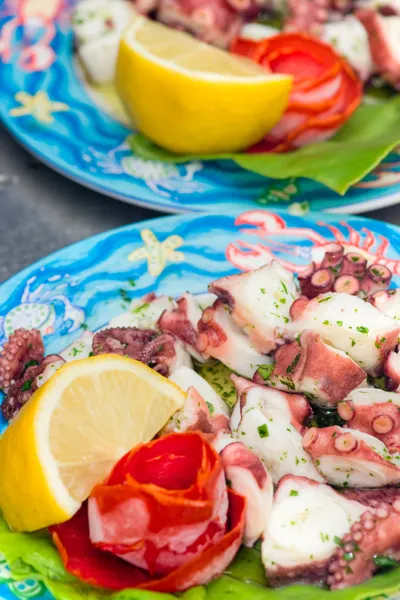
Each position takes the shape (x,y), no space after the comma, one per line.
(361,144)
(33,556)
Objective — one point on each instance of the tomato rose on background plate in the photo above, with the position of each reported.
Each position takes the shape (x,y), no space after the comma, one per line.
(163,520)
(326,91)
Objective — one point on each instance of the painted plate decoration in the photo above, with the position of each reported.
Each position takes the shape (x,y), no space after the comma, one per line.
(84,286)
(47,106)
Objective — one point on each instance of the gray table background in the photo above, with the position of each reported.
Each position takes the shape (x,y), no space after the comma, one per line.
(41,211)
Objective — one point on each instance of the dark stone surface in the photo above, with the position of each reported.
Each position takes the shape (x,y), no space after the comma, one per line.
(41,211)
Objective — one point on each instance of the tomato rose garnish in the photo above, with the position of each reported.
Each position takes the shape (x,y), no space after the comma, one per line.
(163,520)
(325,92)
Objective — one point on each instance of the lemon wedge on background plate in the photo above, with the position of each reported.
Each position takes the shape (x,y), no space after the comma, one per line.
(73,430)
(190,97)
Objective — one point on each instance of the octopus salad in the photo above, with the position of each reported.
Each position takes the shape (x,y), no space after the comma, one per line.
(365,32)
(322,61)
(301,441)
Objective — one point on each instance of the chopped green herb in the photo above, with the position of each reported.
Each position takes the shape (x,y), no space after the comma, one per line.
(355,258)
(284,287)
(293,364)
(27,385)
(353,342)
(294,493)
(348,556)
(75,351)
(285,320)
(124,296)
(324,537)
(325,299)
(31,363)
(265,371)
(340,323)
(282,300)
(91,354)
(317,462)
(338,541)
(362,329)
(326,323)
(210,407)
(385,561)
(288,382)
(263,431)
(263,291)
(140,308)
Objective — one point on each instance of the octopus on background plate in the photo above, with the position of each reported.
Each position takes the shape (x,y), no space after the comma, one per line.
(319,495)
(364,31)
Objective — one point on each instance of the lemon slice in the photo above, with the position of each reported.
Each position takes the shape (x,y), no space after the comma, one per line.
(73,430)
(190,97)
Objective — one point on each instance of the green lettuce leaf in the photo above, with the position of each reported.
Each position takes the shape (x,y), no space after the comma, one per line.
(33,556)
(360,145)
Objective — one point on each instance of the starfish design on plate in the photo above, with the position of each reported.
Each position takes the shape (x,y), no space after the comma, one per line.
(157,253)
(39,106)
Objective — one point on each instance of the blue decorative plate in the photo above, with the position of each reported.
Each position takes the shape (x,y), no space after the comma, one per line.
(88,283)
(48,108)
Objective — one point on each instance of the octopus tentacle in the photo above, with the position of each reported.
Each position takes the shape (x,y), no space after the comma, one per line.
(163,352)
(127,341)
(351,458)
(375,534)
(375,412)
(22,347)
(299,540)
(22,389)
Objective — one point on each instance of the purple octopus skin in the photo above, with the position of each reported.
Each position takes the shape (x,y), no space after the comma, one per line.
(146,345)
(375,534)
(373,498)
(215,22)
(22,347)
(22,389)
(127,341)
(309,16)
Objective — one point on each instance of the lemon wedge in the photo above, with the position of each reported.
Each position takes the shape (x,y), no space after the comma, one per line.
(73,430)
(192,98)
